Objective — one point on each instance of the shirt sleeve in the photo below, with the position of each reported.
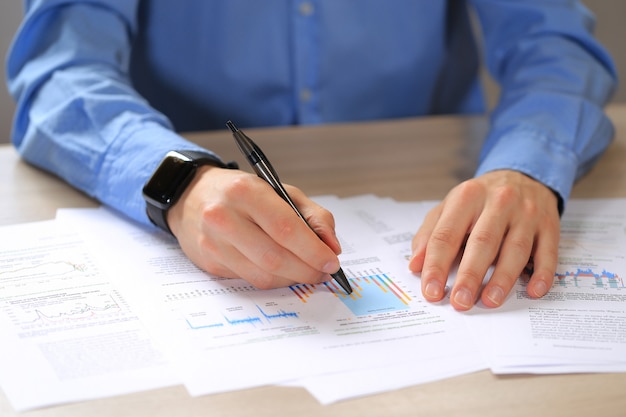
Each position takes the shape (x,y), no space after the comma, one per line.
(77,114)
(555,79)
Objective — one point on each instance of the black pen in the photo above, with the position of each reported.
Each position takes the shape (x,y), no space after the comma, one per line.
(264,169)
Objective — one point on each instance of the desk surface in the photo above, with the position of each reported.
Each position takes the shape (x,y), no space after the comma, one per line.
(410,159)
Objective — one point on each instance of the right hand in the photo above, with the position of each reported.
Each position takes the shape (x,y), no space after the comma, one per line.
(232,224)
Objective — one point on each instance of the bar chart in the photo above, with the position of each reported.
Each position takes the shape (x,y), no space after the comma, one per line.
(372,294)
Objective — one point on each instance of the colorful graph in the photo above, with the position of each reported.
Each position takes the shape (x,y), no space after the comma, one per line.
(371,294)
(587,277)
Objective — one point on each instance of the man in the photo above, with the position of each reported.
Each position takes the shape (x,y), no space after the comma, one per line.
(103,86)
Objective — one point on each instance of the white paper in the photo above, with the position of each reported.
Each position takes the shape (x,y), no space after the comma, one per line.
(225,335)
(394,224)
(580,325)
(68,333)
(94,305)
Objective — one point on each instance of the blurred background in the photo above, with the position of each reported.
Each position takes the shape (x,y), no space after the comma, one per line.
(610,30)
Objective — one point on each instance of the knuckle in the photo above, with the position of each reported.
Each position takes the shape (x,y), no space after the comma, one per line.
(443,236)
(520,245)
(434,272)
(531,208)
(239,187)
(484,237)
(505,196)
(472,277)
(324,215)
(262,281)
(507,278)
(467,190)
(270,260)
(283,229)
(551,256)
(216,216)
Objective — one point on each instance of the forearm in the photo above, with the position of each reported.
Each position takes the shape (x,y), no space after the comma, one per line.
(555,79)
(77,114)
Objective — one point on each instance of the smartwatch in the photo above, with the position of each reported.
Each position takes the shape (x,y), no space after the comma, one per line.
(171,178)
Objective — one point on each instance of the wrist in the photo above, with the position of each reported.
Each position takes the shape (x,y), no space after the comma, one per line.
(170,180)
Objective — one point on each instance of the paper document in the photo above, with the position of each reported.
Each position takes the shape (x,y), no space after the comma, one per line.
(580,325)
(67,332)
(245,337)
(94,305)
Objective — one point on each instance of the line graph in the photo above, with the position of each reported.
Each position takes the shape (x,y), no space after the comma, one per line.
(237,316)
(47,270)
(79,311)
(65,308)
(589,278)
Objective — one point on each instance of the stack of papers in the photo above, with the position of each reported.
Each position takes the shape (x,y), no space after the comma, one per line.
(95,306)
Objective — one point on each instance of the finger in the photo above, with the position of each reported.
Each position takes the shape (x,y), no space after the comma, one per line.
(513,257)
(537,236)
(420,240)
(443,246)
(259,260)
(289,231)
(231,227)
(303,245)
(318,218)
(304,255)
(480,251)
(545,259)
(242,267)
(265,258)
(213,252)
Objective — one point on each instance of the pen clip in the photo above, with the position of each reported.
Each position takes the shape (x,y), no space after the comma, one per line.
(250,149)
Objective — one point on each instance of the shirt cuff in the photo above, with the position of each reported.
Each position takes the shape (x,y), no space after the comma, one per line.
(131,161)
(530,152)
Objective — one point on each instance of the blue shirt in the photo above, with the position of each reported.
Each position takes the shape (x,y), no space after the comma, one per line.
(103,85)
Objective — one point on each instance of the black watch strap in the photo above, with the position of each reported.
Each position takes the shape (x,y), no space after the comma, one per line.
(158,215)
(205,158)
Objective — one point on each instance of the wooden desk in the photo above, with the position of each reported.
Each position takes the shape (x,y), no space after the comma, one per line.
(413,159)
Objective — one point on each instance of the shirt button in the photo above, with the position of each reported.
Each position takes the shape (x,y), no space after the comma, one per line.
(305,95)
(306,8)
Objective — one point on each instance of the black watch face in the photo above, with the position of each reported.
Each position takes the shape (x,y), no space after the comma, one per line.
(168,182)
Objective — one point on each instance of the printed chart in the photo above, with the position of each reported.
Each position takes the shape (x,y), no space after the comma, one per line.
(589,278)
(371,294)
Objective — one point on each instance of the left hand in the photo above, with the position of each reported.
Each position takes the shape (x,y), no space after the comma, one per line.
(503,218)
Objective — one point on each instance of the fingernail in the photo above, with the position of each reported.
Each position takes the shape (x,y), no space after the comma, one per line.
(495,295)
(331,267)
(540,288)
(433,290)
(463,298)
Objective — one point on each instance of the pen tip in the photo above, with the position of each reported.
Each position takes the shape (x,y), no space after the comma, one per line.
(231,126)
(341,279)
